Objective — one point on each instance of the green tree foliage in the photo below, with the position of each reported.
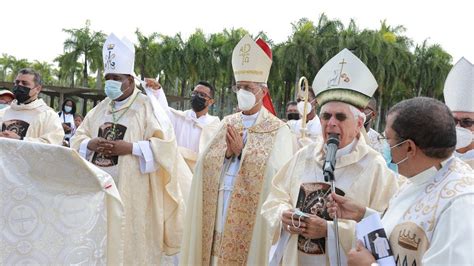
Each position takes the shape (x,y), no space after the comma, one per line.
(401,68)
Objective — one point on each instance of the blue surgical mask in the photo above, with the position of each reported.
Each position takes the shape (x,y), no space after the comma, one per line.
(113,89)
(67,109)
(387,155)
(3,105)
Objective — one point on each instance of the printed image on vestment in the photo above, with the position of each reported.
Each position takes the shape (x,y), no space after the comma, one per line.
(20,127)
(109,132)
(312,199)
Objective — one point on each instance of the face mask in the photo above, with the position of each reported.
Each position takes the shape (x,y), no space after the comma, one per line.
(464,137)
(197,103)
(67,109)
(293,116)
(113,89)
(22,93)
(300,107)
(387,155)
(3,105)
(246,100)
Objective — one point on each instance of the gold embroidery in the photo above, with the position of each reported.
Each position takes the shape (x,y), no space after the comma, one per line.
(235,240)
(210,188)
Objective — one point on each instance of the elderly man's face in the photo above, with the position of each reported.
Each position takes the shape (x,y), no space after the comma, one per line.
(336,117)
(463,119)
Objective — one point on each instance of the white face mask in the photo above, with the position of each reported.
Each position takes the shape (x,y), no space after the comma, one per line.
(67,109)
(464,137)
(300,107)
(246,100)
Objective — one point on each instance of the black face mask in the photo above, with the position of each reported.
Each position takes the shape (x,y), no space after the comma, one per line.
(21,93)
(197,103)
(293,116)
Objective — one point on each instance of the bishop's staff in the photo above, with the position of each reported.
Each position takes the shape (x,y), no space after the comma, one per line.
(328,172)
(304,93)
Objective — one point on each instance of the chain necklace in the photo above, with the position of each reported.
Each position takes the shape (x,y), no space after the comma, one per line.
(115,119)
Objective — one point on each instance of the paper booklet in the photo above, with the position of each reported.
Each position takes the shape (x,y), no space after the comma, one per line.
(371,232)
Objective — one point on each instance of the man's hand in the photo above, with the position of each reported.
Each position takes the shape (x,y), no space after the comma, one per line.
(119,147)
(99,145)
(9,134)
(315,227)
(234,141)
(66,128)
(360,256)
(152,84)
(345,208)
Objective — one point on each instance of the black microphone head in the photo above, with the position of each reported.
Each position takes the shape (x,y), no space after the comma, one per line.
(333,139)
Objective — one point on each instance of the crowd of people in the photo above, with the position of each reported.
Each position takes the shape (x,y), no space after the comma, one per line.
(251,188)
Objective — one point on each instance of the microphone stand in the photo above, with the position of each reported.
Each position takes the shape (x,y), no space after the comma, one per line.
(328,172)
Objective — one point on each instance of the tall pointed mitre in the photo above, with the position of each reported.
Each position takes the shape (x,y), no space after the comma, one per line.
(251,61)
(344,78)
(459,87)
(118,56)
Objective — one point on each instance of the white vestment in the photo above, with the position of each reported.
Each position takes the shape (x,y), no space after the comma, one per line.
(56,208)
(430,220)
(361,174)
(34,121)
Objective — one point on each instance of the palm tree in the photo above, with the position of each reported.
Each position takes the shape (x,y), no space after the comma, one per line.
(86,44)
(144,53)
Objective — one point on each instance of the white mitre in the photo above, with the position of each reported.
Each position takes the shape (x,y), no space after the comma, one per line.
(344,78)
(459,87)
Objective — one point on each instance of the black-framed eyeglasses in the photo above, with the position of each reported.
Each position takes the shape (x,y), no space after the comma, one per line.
(339,116)
(200,94)
(464,122)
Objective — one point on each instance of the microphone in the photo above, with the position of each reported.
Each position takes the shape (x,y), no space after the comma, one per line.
(330,162)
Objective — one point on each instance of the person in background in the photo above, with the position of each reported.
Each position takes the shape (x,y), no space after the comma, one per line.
(77,121)
(66,115)
(459,97)
(194,127)
(375,140)
(292,111)
(29,118)
(6,97)
(312,131)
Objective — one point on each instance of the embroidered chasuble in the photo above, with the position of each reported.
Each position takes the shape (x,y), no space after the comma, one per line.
(67,213)
(430,221)
(34,121)
(360,174)
(151,185)
(224,225)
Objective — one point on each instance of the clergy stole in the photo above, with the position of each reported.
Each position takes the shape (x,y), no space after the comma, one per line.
(411,238)
(232,245)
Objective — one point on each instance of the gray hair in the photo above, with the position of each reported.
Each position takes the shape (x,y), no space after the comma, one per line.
(29,71)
